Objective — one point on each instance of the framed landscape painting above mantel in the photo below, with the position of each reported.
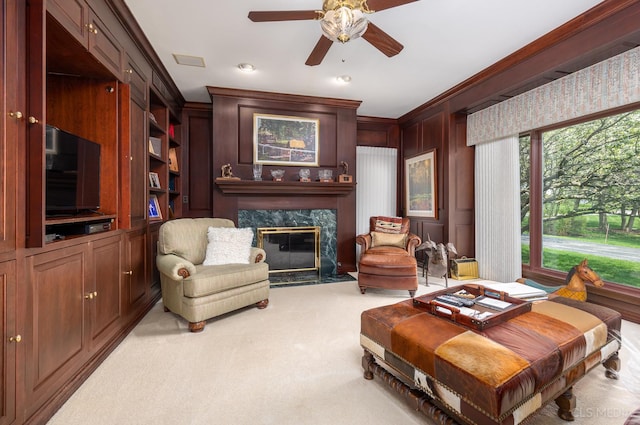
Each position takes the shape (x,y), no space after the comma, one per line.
(420,183)
(285,140)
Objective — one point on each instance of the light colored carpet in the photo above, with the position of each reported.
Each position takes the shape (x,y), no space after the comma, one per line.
(296,362)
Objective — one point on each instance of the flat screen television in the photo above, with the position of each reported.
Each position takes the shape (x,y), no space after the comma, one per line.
(72,173)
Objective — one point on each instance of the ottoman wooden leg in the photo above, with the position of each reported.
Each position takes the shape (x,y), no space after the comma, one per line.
(612,366)
(367,361)
(566,403)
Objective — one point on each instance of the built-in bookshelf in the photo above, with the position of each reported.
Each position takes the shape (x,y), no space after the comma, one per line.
(174,166)
(157,198)
(164,187)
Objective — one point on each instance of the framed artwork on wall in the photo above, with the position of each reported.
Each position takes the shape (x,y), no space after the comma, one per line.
(420,182)
(285,140)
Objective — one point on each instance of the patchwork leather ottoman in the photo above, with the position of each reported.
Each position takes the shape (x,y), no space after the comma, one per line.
(499,375)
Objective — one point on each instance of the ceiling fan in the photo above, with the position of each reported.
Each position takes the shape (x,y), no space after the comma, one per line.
(341,21)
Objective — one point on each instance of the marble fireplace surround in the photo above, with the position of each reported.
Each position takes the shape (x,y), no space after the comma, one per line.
(326,219)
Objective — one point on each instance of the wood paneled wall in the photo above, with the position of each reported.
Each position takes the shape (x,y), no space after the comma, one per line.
(232,143)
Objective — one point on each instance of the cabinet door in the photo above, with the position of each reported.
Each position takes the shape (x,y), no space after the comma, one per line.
(133,162)
(135,77)
(104,46)
(10,340)
(136,282)
(104,304)
(73,15)
(11,106)
(54,337)
(154,234)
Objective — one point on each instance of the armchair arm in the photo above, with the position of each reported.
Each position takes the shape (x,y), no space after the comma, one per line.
(175,267)
(364,241)
(412,242)
(257,255)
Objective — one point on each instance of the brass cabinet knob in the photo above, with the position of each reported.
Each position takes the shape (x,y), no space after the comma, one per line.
(95,294)
(92,29)
(88,296)
(33,120)
(17,115)
(130,273)
(16,338)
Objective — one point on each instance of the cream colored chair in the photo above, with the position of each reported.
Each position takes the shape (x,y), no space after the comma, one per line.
(199,292)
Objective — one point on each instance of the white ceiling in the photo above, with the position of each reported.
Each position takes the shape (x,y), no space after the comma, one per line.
(445,42)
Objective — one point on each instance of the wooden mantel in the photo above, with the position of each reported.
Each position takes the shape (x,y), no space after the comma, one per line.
(283,188)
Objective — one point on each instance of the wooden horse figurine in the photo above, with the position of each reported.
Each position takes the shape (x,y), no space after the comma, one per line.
(574,283)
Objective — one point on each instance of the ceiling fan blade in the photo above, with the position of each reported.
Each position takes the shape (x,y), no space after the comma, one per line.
(283,15)
(378,5)
(319,52)
(381,40)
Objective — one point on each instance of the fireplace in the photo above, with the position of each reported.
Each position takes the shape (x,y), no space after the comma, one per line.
(291,249)
(324,219)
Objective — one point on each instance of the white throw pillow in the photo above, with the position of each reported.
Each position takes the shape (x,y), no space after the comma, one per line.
(228,245)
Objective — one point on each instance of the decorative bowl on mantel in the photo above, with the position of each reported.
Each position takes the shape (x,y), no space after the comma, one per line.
(277,175)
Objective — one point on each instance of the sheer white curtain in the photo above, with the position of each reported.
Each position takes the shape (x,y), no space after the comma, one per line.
(376,179)
(497,205)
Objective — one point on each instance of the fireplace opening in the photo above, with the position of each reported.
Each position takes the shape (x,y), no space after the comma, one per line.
(293,253)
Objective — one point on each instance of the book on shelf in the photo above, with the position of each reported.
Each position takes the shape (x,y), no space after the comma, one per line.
(173,160)
(155,145)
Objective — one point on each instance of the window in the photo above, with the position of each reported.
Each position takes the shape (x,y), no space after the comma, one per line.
(580,197)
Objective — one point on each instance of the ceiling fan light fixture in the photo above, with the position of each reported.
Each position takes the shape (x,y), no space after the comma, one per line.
(345,21)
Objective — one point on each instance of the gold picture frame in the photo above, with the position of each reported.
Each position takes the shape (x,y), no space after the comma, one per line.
(285,140)
(420,182)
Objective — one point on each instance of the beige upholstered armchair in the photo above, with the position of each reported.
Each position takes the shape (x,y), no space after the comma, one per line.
(387,257)
(198,292)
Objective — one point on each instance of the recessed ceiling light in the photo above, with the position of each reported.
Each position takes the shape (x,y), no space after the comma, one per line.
(344,79)
(246,67)
(189,60)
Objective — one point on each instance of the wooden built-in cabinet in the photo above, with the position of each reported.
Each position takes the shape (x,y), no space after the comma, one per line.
(81,66)
(73,318)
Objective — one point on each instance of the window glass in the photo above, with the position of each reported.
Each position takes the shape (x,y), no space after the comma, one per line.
(590,193)
(525,191)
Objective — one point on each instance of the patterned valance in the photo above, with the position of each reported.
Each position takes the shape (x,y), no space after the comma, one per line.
(606,85)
